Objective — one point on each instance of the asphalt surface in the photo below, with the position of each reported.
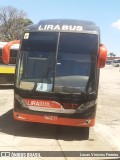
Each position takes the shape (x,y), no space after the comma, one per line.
(104,136)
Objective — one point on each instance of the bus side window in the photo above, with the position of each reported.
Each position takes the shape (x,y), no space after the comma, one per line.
(1,56)
(13,55)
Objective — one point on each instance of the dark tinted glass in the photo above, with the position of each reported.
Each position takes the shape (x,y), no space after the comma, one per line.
(1,56)
(38,41)
(77,43)
(76,58)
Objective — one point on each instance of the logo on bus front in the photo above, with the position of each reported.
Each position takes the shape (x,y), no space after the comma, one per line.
(60,27)
(43,103)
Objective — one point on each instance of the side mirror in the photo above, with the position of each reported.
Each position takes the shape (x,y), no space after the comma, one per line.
(6,51)
(102,56)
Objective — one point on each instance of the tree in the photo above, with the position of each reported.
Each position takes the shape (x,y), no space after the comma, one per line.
(12,23)
(112,54)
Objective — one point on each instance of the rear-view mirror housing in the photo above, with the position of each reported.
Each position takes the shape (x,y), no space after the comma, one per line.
(102,56)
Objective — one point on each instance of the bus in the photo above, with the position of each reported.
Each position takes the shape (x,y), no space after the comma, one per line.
(7,70)
(57,73)
(116,62)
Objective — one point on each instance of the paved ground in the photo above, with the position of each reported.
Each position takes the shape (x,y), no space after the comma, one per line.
(104,136)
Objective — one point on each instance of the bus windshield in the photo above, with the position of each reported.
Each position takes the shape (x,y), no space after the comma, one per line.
(57,62)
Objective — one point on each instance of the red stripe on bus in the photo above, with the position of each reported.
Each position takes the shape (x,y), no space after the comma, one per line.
(54,120)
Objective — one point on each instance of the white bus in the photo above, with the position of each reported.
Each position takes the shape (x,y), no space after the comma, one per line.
(7,71)
(116,62)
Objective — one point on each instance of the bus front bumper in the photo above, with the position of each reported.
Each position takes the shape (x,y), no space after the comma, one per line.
(50,119)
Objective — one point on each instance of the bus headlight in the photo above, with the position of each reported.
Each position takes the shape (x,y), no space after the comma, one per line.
(85,106)
(21,101)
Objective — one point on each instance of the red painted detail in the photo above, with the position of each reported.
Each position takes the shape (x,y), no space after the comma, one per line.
(70,105)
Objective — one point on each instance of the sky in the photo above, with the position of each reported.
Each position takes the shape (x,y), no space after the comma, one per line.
(105,13)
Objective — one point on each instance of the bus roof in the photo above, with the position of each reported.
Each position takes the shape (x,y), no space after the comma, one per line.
(64,25)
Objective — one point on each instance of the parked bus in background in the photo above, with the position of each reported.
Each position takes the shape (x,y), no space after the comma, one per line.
(57,73)
(7,68)
(116,62)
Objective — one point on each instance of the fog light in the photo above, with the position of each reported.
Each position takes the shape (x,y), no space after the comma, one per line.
(87,121)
